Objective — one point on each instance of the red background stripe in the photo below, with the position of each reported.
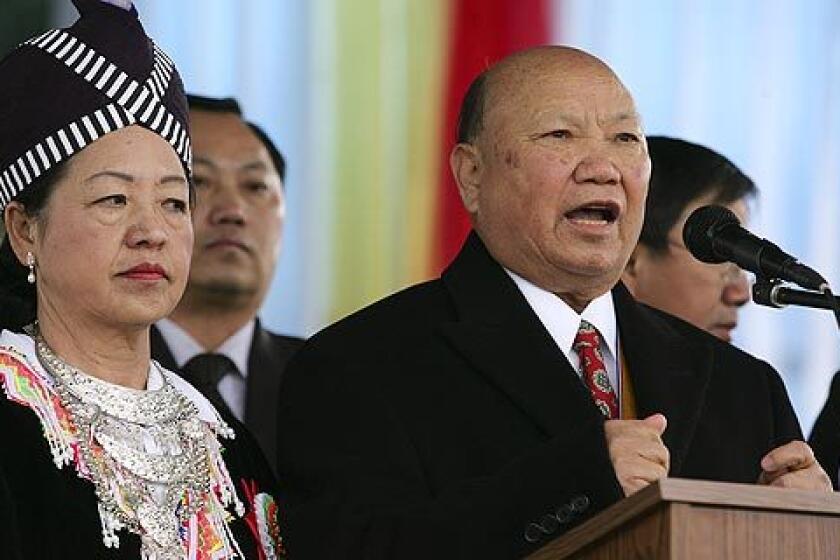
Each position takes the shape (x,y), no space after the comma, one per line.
(481,33)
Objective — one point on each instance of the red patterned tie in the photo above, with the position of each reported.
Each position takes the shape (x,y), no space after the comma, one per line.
(594,372)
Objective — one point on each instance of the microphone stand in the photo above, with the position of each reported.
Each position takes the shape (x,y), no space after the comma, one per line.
(772,293)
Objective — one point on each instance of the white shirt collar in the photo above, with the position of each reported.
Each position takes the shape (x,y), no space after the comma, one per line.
(562,322)
(184,347)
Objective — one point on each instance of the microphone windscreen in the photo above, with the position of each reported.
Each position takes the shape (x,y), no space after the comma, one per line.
(701,227)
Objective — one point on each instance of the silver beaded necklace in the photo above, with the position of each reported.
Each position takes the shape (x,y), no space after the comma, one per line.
(147,453)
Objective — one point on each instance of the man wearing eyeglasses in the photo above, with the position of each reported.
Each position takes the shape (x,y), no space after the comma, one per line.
(661,272)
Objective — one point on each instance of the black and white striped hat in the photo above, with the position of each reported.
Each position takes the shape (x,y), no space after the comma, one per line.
(65,88)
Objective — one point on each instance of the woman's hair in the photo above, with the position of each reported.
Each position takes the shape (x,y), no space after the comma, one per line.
(18,301)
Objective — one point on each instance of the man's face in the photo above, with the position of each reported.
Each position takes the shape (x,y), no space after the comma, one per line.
(562,176)
(240,207)
(706,295)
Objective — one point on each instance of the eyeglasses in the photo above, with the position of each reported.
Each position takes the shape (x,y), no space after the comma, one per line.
(730,273)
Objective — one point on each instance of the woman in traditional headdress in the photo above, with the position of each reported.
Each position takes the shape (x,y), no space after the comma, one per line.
(104,453)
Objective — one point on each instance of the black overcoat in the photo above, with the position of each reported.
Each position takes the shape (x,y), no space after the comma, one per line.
(443,421)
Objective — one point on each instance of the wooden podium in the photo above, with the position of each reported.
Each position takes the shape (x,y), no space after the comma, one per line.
(688,519)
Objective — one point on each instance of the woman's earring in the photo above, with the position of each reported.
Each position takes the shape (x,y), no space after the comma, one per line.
(30,262)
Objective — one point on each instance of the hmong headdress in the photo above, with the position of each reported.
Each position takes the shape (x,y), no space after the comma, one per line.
(65,88)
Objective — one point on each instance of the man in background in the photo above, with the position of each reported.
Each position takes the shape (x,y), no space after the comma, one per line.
(662,272)
(214,337)
(825,435)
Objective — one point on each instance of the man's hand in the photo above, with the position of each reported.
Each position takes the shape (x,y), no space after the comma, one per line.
(793,466)
(636,450)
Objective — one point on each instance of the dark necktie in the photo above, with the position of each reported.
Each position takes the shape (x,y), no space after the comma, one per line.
(593,370)
(204,371)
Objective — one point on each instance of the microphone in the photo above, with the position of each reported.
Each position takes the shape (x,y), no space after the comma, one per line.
(713,234)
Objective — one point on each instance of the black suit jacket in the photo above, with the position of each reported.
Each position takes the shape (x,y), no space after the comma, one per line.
(444,422)
(825,435)
(267,361)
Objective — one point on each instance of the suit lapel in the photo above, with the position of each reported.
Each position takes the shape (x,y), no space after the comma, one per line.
(669,374)
(160,350)
(501,336)
(265,365)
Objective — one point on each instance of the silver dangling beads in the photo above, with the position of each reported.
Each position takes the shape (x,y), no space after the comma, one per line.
(30,262)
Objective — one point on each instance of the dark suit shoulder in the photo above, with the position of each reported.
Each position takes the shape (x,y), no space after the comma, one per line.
(366,347)
(725,353)
(283,340)
(825,434)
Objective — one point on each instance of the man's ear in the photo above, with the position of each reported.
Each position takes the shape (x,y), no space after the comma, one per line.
(465,161)
(21,228)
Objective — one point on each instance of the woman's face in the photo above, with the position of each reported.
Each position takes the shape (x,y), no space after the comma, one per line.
(114,241)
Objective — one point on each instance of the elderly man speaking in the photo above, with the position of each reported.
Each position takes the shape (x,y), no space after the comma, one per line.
(481,414)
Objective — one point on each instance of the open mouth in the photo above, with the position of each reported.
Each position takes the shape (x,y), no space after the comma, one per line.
(596,213)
